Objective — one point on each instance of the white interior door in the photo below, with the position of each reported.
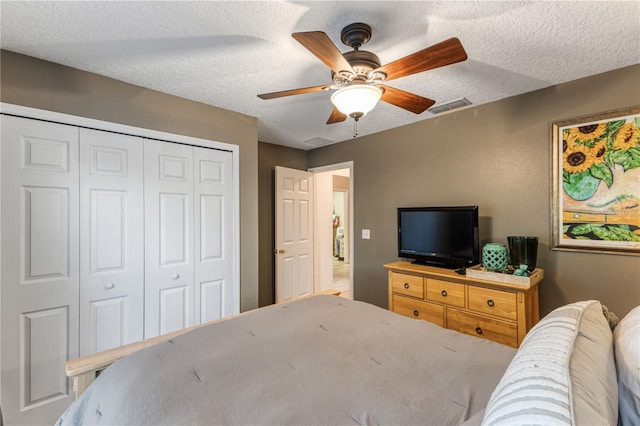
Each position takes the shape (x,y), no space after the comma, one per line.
(40,284)
(169,242)
(215,293)
(111,240)
(293,233)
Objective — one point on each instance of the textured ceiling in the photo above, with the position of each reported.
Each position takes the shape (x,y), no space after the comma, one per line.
(225,53)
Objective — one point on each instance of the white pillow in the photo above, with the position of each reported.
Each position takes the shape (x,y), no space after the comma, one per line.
(627,348)
(562,374)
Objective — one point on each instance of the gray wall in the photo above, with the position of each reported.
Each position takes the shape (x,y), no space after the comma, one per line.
(496,156)
(482,155)
(45,85)
(269,156)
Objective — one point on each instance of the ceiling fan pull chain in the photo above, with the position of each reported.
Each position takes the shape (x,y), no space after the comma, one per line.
(355,128)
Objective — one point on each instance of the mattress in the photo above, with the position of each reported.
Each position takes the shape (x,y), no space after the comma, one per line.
(319,360)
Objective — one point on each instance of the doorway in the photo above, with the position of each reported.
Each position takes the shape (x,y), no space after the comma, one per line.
(333,228)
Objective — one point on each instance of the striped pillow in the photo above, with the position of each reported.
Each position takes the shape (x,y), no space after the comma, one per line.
(627,349)
(560,373)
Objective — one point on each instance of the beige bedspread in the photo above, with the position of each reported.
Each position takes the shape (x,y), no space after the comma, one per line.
(322,360)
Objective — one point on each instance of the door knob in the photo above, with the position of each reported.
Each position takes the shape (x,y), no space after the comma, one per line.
(175,276)
(109,286)
(279,251)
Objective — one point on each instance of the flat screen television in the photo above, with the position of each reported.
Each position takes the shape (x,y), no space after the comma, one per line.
(440,236)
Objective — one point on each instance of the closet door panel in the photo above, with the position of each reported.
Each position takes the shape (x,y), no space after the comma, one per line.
(211,300)
(44,343)
(45,218)
(174,309)
(214,245)
(112,240)
(40,281)
(169,243)
(108,318)
(107,232)
(174,229)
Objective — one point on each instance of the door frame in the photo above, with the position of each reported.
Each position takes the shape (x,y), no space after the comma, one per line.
(78,121)
(338,166)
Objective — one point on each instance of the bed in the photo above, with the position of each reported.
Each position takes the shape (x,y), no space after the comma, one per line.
(329,360)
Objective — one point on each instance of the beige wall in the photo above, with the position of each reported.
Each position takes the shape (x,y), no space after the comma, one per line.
(498,157)
(270,156)
(39,84)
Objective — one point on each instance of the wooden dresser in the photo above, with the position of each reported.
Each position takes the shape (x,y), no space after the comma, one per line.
(500,312)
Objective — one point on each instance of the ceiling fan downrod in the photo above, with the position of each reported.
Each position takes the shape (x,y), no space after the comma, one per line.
(355,35)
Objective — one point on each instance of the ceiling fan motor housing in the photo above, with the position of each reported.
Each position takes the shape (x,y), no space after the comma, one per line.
(362,62)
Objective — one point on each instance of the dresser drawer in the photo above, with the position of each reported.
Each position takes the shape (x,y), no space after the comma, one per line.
(410,285)
(417,309)
(476,325)
(493,302)
(445,292)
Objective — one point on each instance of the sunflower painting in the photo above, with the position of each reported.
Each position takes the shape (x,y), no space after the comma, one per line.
(596,183)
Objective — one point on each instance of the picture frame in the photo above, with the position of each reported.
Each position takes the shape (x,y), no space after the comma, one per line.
(595,203)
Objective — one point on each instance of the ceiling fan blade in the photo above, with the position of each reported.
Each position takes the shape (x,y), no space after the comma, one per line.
(444,53)
(321,45)
(336,116)
(409,101)
(295,92)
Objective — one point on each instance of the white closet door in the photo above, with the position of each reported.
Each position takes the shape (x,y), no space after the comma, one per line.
(169,244)
(214,243)
(111,240)
(39,267)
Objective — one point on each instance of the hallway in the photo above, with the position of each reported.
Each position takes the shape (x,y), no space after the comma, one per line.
(341,278)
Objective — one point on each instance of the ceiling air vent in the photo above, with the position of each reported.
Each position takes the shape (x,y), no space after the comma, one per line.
(318,142)
(449,106)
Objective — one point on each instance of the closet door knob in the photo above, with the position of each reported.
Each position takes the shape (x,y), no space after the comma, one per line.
(109,286)
(175,276)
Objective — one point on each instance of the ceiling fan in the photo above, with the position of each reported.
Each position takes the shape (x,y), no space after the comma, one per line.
(358,75)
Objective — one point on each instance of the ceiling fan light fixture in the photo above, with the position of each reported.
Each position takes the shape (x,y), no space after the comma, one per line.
(357,100)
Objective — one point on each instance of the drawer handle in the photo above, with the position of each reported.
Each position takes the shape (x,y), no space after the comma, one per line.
(416,313)
(444,293)
(406,285)
(478,330)
(490,303)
